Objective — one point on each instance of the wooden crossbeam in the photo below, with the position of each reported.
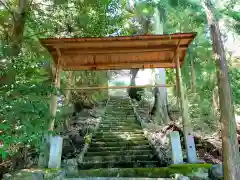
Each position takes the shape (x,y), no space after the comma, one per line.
(120,87)
(176,51)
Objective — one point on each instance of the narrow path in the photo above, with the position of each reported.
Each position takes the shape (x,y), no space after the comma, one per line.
(119,141)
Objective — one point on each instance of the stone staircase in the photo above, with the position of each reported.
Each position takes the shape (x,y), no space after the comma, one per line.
(119,141)
(119,149)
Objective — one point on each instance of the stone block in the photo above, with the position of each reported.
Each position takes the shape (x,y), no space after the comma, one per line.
(176,149)
(191,151)
(55,152)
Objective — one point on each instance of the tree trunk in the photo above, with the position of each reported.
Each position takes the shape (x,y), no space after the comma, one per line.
(15,39)
(133,76)
(161,93)
(228,123)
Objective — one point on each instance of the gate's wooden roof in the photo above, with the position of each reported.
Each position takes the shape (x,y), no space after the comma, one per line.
(146,51)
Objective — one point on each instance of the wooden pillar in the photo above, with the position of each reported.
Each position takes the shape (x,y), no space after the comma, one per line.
(44,152)
(187,130)
(54,98)
(68,96)
(69,84)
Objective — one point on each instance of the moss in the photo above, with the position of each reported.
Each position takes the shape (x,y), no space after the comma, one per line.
(52,170)
(27,174)
(125,172)
(164,172)
(187,169)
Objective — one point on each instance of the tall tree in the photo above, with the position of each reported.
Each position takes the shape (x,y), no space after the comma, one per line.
(228,123)
(161,92)
(13,23)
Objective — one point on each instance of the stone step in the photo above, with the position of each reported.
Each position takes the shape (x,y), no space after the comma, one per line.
(120,128)
(119,112)
(117,139)
(111,136)
(112,125)
(137,126)
(114,148)
(116,144)
(119,164)
(124,152)
(110,157)
(118,133)
(117,117)
(118,107)
(123,123)
(118,178)
(126,172)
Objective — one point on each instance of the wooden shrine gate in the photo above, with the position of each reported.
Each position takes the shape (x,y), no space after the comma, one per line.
(128,52)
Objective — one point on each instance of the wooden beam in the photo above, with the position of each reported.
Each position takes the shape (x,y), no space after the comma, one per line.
(187,130)
(108,66)
(119,50)
(119,87)
(115,40)
(176,50)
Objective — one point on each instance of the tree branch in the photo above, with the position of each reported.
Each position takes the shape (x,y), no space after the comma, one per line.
(6,6)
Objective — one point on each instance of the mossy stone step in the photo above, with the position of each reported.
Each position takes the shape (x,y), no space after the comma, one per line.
(125,136)
(117,139)
(118,133)
(115,144)
(119,110)
(110,157)
(114,148)
(150,172)
(124,123)
(121,128)
(118,178)
(119,164)
(112,125)
(123,114)
(132,125)
(125,172)
(124,152)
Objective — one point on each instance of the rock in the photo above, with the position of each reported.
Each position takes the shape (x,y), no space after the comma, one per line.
(70,166)
(181,177)
(38,176)
(216,172)
(78,141)
(68,148)
(7,176)
(22,175)
(70,162)
(136,93)
(54,174)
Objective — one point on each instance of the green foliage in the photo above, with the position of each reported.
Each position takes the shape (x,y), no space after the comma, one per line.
(24,102)
(235,84)
(120,83)
(26,77)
